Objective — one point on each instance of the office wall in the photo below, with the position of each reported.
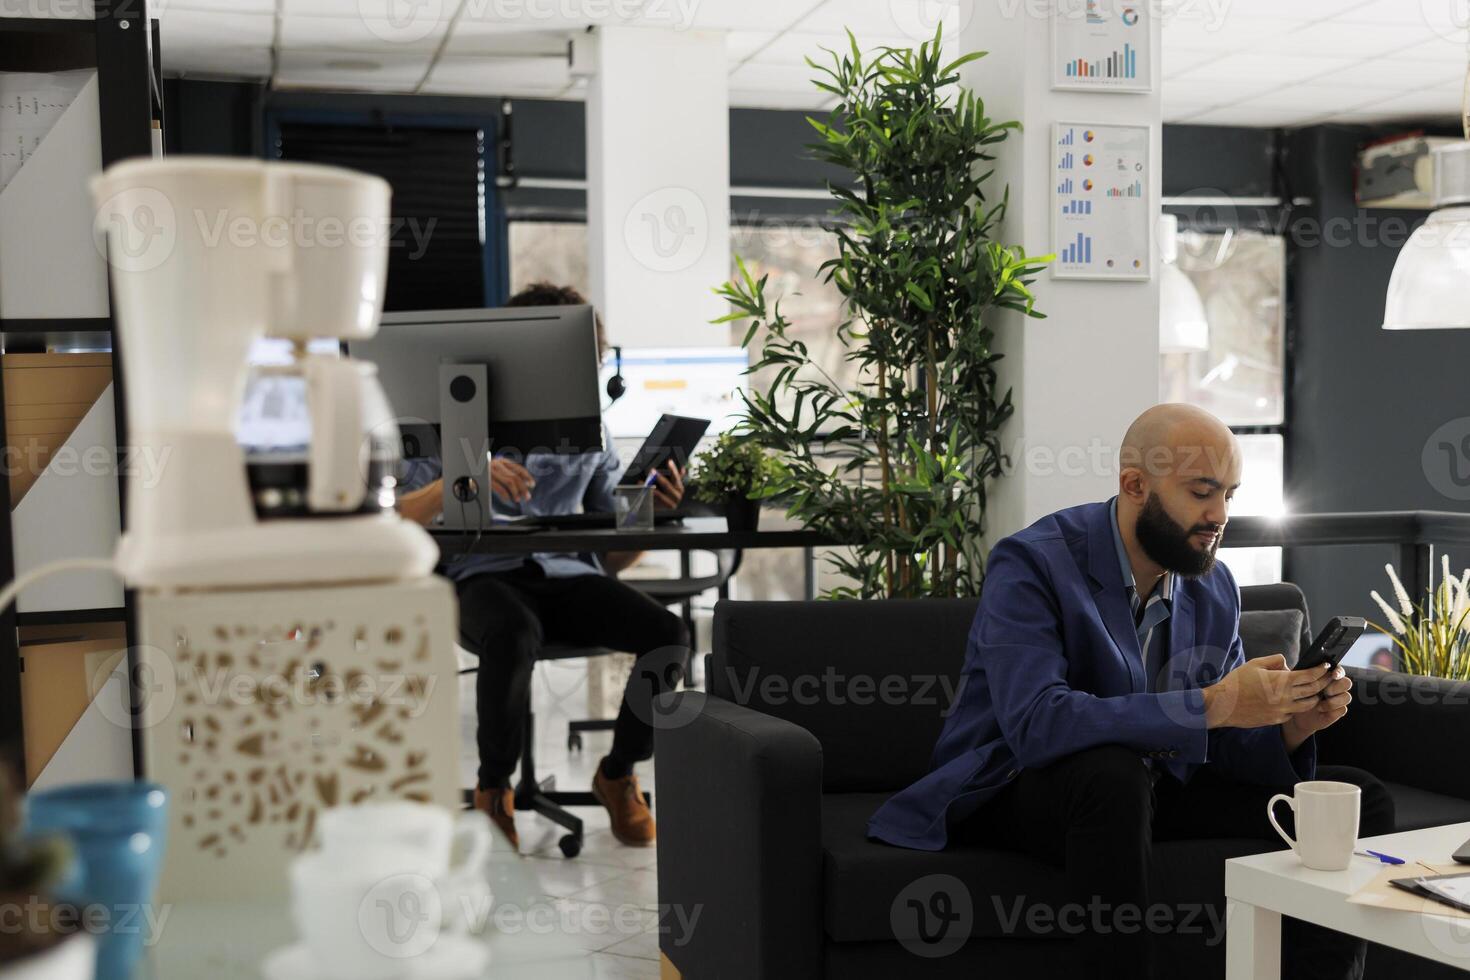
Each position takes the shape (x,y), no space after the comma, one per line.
(767,146)
(1364,401)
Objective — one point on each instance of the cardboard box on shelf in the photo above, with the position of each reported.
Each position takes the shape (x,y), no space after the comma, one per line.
(46,395)
(62,669)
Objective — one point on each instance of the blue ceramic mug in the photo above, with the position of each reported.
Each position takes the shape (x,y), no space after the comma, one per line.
(118,830)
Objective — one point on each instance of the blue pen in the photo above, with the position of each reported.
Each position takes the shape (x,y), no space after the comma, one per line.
(1385,858)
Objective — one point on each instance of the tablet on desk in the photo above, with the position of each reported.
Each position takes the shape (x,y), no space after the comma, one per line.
(673,438)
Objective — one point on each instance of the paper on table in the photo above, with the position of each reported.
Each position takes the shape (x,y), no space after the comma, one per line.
(1378,893)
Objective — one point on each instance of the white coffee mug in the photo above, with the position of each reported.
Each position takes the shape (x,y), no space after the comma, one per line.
(1326,822)
(364,921)
(424,837)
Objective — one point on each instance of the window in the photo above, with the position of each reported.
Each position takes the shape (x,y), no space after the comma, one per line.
(792,254)
(1241,279)
(551,251)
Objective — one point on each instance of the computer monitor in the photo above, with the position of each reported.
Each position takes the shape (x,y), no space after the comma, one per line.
(541,372)
(702,382)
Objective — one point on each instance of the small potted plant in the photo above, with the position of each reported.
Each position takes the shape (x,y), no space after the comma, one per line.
(46,940)
(735,472)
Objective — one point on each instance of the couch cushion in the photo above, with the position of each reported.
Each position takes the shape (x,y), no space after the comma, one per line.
(1415,809)
(1269,631)
(872,680)
(863,879)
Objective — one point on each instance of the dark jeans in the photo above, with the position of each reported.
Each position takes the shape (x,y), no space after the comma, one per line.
(1097,813)
(506,617)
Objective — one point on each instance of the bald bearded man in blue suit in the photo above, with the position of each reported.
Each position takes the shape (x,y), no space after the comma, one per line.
(1106,701)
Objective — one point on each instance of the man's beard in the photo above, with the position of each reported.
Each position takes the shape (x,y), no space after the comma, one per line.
(1163,540)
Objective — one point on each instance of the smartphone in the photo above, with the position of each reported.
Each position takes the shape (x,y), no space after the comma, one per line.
(1332,644)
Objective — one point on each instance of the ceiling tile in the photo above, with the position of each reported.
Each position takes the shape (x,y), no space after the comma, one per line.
(793,48)
(498,76)
(1241,116)
(742,44)
(869,20)
(1444,17)
(1227,33)
(196,34)
(1440,49)
(1385,73)
(1424,102)
(1270,9)
(1341,40)
(1186,89)
(162,11)
(1178,60)
(1264,68)
(519,44)
(359,34)
(796,79)
(389,71)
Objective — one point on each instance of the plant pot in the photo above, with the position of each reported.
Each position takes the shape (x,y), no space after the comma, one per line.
(742,513)
(73,958)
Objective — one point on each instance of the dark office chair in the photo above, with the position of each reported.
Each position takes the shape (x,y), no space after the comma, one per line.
(669,591)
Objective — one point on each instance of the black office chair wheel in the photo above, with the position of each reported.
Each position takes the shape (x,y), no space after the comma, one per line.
(571,845)
(574,742)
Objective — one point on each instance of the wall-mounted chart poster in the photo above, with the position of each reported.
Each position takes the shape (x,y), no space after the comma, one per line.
(1102,45)
(1100,215)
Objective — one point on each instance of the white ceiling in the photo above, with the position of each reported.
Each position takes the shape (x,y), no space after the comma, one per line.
(1225,62)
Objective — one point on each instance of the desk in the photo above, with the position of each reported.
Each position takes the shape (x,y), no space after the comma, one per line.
(694,534)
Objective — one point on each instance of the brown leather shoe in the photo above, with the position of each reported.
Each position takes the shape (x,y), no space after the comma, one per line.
(632,824)
(500,806)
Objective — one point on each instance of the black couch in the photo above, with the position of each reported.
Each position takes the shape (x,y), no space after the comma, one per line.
(766,783)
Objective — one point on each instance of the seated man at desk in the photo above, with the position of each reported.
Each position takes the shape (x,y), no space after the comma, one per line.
(509,605)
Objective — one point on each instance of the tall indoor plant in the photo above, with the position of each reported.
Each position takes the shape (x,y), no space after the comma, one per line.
(896,465)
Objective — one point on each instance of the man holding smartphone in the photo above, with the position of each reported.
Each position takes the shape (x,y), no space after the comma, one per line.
(1107,703)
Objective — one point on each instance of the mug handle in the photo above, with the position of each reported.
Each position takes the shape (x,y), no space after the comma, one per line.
(1271,815)
(473,828)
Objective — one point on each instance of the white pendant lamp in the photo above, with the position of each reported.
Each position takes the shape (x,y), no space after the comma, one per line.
(1430,285)
(1183,328)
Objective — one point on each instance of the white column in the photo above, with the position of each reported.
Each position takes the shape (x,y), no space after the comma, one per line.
(658,184)
(1084,373)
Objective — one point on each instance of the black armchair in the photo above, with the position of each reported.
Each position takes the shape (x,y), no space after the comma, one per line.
(818,711)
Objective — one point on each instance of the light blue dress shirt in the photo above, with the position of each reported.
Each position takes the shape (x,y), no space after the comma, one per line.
(566,483)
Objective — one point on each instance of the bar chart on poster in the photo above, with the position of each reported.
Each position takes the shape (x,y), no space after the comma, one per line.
(1102,46)
(1100,218)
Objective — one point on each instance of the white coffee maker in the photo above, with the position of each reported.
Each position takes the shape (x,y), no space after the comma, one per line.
(285,664)
(208,256)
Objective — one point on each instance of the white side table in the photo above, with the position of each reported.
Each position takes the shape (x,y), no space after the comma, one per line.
(1260,889)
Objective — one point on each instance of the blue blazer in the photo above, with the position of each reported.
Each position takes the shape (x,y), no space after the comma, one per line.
(1053,667)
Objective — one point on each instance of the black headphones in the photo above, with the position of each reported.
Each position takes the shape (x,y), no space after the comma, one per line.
(617,387)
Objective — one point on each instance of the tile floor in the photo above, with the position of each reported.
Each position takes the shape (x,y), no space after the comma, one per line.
(593,916)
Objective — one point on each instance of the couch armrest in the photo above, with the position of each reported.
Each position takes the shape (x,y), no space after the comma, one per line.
(739,798)
(1403,729)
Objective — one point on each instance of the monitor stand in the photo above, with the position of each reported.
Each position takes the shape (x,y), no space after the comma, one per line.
(464,445)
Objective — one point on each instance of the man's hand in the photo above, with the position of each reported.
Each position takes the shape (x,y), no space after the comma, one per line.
(1331,706)
(510,480)
(1263,692)
(669,489)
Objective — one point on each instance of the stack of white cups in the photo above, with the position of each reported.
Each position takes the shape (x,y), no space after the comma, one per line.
(381,899)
